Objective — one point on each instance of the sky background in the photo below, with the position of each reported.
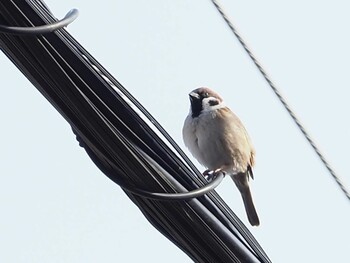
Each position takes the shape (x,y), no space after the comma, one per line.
(56,206)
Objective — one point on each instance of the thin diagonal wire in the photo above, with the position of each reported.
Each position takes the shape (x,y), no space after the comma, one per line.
(282,100)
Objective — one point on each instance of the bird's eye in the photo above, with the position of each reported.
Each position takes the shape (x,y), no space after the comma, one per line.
(206,94)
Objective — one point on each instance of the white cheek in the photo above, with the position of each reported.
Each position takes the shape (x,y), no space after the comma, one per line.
(207,107)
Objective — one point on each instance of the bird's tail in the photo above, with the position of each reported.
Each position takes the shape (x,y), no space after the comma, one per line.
(241,181)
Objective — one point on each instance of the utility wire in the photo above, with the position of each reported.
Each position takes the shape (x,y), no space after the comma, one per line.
(282,99)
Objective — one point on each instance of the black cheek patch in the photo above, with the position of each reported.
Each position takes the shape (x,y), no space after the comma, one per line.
(213,102)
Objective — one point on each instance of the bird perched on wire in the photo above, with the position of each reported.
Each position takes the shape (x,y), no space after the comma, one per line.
(218,140)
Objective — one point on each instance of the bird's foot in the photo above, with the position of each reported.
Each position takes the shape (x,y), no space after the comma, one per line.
(210,174)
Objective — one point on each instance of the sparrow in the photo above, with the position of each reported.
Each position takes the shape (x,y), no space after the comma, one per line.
(216,137)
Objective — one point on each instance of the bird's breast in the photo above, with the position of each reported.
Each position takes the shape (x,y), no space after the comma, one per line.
(204,139)
(216,143)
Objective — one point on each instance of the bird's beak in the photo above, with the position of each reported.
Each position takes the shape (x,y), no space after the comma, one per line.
(194,95)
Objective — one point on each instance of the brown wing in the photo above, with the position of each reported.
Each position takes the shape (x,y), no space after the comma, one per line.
(241,145)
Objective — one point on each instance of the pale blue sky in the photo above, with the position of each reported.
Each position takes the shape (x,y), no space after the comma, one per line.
(56,206)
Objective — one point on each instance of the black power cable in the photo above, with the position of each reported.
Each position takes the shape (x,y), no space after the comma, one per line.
(69,18)
(119,136)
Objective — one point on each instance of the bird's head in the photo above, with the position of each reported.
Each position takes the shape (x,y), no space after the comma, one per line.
(203,100)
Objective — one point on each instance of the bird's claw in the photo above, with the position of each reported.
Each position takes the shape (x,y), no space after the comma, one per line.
(210,174)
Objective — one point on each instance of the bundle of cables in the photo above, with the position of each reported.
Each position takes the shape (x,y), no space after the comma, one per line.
(122,138)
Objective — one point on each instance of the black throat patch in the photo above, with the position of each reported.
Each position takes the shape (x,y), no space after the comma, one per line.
(196,106)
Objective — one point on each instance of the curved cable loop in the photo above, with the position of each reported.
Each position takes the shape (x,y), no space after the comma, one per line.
(282,100)
(38,30)
(216,180)
(176,196)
